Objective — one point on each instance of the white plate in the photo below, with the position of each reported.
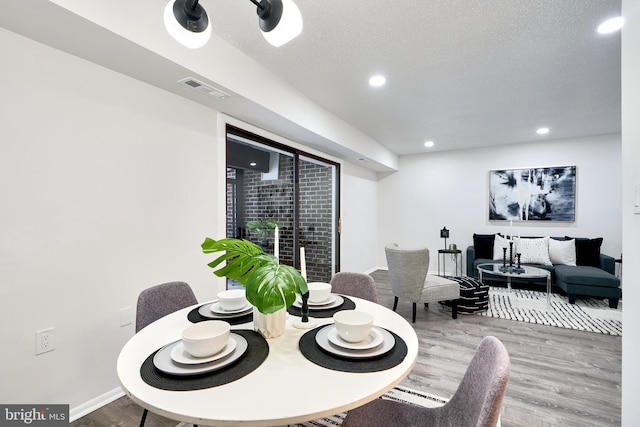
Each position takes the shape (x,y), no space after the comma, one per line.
(373,340)
(331,298)
(337,302)
(205,311)
(388,341)
(180,355)
(162,360)
(215,307)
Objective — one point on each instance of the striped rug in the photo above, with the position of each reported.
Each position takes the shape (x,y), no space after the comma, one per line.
(587,314)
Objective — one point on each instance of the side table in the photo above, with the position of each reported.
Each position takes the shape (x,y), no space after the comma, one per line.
(442,253)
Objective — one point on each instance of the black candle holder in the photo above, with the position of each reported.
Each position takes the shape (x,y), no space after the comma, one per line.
(504,257)
(518,257)
(304,310)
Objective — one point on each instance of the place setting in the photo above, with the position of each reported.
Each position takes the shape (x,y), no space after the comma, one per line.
(200,358)
(322,302)
(231,306)
(352,343)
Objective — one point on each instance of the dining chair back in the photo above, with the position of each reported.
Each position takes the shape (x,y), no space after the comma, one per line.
(477,401)
(158,301)
(358,285)
(411,281)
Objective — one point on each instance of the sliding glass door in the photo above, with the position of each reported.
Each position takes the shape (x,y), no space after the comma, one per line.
(268,184)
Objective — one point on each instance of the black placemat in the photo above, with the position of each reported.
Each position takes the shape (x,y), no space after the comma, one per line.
(346,305)
(312,351)
(194,316)
(257,352)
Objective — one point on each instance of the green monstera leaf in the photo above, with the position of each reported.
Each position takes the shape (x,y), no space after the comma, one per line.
(270,286)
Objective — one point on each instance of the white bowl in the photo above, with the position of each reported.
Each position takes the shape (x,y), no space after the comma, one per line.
(353,325)
(318,291)
(207,338)
(232,299)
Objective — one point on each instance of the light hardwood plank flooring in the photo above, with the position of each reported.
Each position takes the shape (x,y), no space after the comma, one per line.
(559,377)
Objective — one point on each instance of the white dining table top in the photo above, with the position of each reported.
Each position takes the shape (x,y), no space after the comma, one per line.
(287,388)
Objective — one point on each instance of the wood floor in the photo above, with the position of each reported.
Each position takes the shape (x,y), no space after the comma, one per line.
(559,377)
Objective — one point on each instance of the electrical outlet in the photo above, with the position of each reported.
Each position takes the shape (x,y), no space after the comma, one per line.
(45,340)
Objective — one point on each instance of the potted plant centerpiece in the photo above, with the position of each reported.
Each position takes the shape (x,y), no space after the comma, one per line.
(271,287)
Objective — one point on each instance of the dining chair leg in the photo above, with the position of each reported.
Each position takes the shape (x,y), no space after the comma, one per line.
(395,303)
(144,417)
(414,312)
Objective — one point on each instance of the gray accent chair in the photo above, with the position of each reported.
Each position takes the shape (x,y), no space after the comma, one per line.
(358,285)
(158,301)
(476,403)
(408,273)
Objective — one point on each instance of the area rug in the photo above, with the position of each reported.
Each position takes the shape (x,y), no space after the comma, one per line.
(587,314)
(398,393)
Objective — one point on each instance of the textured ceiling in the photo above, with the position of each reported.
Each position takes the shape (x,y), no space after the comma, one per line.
(459,72)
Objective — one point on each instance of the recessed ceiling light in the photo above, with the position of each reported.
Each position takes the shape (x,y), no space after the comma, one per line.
(611,25)
(542,131)
(377,81)
(252,163)
(429,144)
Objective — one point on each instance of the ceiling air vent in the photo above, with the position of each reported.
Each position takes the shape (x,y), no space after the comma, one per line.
(205,88)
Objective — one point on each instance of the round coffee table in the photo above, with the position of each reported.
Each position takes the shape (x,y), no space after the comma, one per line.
(525,272)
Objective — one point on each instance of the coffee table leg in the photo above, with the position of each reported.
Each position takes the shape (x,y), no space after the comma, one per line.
(549,291)
(509,283)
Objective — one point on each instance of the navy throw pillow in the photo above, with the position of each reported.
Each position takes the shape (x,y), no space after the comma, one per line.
(483,245)
(587,251)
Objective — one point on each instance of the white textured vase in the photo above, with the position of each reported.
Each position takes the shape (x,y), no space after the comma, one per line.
(270,325)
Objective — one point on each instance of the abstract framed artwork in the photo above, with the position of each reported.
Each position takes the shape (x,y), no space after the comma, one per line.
(533,194)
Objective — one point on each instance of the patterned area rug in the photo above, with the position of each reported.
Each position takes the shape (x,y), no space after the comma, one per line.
(398,393)
(587,314)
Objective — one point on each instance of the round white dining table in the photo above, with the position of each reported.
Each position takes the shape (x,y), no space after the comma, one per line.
(286,388)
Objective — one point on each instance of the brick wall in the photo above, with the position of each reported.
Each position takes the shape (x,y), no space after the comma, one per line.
(259,199)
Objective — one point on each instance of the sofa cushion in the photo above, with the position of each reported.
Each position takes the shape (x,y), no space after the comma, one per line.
(562,251)
(587,251)
(483,245)
(586,275)
(533,251)
(498,244)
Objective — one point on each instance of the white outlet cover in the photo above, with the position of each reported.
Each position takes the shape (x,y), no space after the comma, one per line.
(45,340)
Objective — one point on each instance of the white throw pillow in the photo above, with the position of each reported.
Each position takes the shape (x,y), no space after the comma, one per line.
(499,243)
(533,251)
(562,251)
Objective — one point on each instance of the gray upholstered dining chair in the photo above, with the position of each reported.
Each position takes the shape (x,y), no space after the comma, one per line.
(359,285)
(158,301)
(476,403)
(410,279)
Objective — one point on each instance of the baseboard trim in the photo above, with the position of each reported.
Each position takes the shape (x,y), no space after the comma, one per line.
(94,404)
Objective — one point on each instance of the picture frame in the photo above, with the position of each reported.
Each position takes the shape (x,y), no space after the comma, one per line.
(533,194)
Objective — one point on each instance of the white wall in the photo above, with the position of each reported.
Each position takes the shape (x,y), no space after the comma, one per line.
(630,221)
(106,188)
(359,213)
(450,189)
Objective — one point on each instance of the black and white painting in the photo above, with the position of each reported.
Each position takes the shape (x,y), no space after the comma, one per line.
(536,194)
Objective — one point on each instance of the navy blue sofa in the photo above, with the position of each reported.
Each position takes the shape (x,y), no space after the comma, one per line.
(587,280)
